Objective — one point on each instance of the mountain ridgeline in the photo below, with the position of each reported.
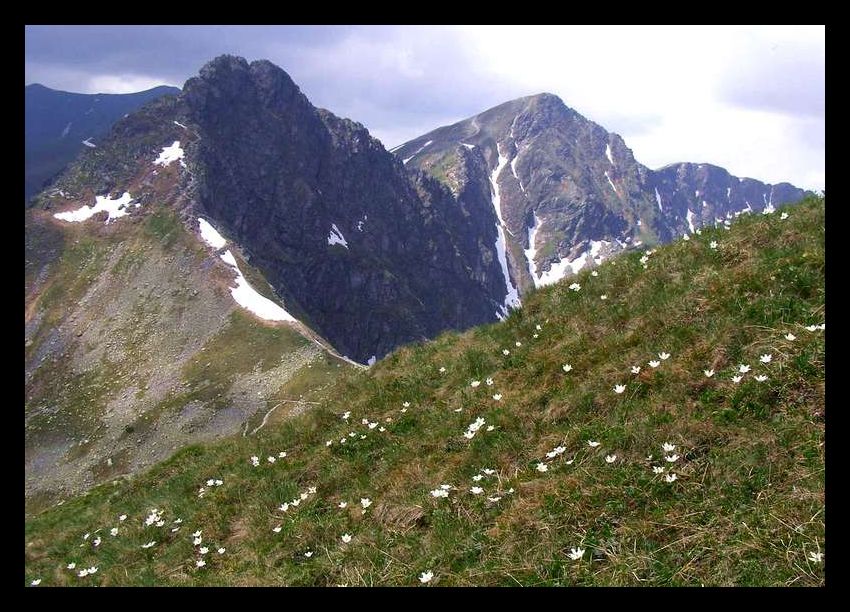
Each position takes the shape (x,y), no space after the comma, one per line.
(60,124)
(373,250)
(571,194)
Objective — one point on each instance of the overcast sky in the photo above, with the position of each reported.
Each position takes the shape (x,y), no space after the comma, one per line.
(750,99)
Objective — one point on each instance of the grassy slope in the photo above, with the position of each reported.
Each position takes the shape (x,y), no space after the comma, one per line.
(747,508)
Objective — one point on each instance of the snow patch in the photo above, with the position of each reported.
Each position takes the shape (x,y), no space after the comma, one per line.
(115,208)
(658,199)
(66,130)
(336,237)
(169,154)
(89,144)
(512,295)
(728,192)
(691,216)
(248,298)
(210,235)
(608,154)
(371,360)
(181,125)
(468,146)
(417,152)
(531,251)
(559,269)
(610,182)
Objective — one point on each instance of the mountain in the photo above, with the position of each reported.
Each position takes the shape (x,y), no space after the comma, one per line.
(569,194)
(57,124)
(411,470)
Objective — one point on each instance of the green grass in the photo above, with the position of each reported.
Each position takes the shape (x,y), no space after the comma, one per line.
(746,509)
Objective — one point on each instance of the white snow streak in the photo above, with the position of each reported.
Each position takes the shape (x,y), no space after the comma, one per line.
(336,237)
(115,208)
(248,298)
(728,192)
(512,296)
(531,251)
(417,152)
(169,154)
(691,217)
(210,235)
(89,144)
(513,169)
(468,146)
(608,154)
(658,199)
(66,130)
(610,182)
(181,125)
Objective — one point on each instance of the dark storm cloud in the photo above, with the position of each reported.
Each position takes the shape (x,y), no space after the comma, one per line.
(376,75)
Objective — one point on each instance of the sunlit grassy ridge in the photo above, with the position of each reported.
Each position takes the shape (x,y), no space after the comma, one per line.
(746,508)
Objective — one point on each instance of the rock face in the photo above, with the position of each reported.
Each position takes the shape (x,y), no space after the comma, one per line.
(571,194)
(371,257)
(57,122)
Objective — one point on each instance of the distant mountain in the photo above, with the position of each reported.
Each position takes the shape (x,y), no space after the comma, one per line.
(58,123)
(570,194)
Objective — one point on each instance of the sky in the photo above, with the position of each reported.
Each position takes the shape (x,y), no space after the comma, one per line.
(747,98)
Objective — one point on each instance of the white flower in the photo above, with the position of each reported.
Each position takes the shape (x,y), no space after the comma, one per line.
(426,576)
(308,554)
(783,216)
(708,373)
(346,538)
(489,381)
(743,369)
(281,455)
(736,379)
(113,531)
(158,524)
(592,444)
(221,551)
(670,477)
(766,358)
(329,442)
(364,421)
(284,507)
(575,287)
(497,396)
(276,529)
(476,490)
(556,451)
(175,529)
(255,460)
(342,504)
(649,458)
(83,573)
(536,336)
(197,541)
(403,410)
(72,565)
(815,557)
(488,471)
(576,553)
(644,259)
(538,328)
(505,352)
(439,493)
(619,388)
(346,415)
(468,434)
(659,469)
(493,500)
(445,487)
(635,369)
(204,550)
(123,517)
(149,544)
(542,467)
(211,482)
(200,563)
(713,244)
(197,534)
(96,541)
(668,448)
(372,425)
(686,237)
(477,477)
(698,232)
(672,458)
(570,462)
(594,273)
(295,502)
(761,378)
(664,356)
(365,502)
(475,383)
(566,367)
(382,428)
(610,458)
(442,370)
(270,459)
(518,343)
(354,435)
(509,491)
(654,363)
(491,427)
(791,337)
